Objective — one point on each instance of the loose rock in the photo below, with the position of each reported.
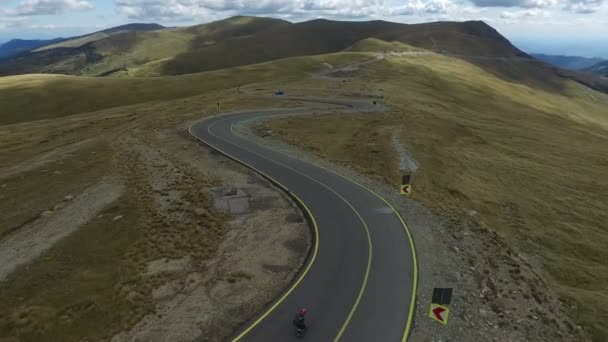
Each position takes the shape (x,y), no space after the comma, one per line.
(46,213)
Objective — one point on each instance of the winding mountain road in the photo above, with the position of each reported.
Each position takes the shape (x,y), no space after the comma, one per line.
(359,282)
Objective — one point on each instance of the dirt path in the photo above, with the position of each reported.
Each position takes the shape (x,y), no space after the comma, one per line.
(37,237)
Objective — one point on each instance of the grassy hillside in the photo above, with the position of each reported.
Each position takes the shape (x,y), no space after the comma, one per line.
(35,97)
(76,42)
(326,36)
(470,38)
(87,38)
(116,49)
(532,164)
(213,46)
(473,41)
(223,44)
(378,45)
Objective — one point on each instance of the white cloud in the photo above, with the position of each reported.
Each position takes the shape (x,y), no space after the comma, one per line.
(577,6)
(193,9)
(47,7)
(516,3)
(529,13)
(9,23)
(583,6)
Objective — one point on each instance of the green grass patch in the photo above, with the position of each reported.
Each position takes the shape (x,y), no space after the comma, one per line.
(377,45)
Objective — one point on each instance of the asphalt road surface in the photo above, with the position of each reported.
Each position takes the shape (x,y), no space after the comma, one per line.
(360,279)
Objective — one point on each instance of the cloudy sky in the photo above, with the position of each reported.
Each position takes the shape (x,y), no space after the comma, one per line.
(577,27)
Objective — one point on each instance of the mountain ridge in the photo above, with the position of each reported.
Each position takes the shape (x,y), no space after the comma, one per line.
(17,45)
(568,62)
(219,45)
(90,37)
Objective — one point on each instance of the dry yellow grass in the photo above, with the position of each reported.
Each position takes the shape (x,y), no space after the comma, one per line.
(533,164)
(29,192)
(35,97)
(92,284)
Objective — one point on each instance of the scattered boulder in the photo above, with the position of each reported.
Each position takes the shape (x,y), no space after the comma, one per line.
(483,312)
(229,191)
(165,291)
(168,265)
(498,307)
(59,206)
(47,213)
(133,296)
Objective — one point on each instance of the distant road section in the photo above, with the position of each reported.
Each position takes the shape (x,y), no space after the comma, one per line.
(359,283)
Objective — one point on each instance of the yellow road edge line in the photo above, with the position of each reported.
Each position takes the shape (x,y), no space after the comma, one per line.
(365,226)
(408,325)
(309,213)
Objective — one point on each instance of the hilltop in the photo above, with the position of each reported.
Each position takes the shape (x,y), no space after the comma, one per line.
(327,36)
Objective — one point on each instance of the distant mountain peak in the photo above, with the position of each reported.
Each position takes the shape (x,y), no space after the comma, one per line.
(17,46)
(134,27)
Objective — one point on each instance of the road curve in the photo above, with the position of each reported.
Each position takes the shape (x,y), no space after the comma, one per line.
(359,283)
